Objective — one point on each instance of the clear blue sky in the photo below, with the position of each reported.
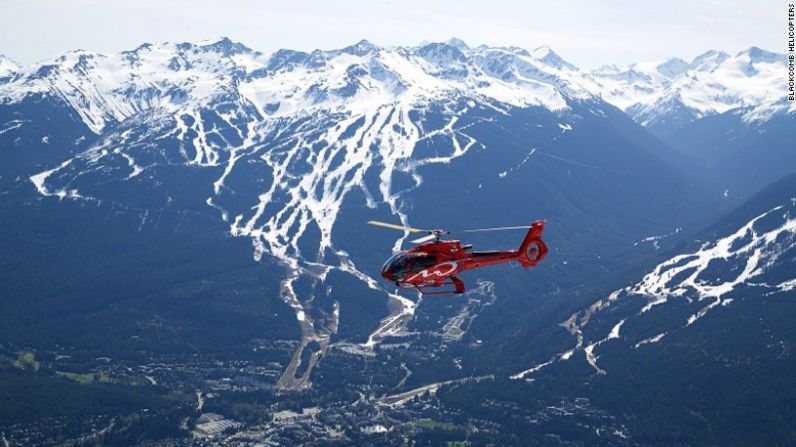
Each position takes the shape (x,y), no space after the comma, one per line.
(588,33)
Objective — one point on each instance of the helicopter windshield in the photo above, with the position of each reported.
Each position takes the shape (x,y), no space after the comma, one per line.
(402,263)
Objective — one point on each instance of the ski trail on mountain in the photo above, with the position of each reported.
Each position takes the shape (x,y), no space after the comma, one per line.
(313,169)
(338,161)
(687,276)
(314,126)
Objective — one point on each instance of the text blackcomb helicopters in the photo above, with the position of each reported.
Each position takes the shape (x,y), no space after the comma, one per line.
(435,262)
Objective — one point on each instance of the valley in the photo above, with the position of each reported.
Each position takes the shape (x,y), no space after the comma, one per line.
(184,249)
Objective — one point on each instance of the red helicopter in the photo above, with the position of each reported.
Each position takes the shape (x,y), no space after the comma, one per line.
(435,262)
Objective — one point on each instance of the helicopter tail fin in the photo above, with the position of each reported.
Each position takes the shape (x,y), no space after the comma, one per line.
(533,249)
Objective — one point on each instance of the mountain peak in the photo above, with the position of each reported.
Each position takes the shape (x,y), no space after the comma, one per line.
(550,57)
(7,60)
(209,42)
(441,50)
(7,66)
(710,54)
(284,57)
(709,60)
(457,43)
(757,54)
(672,67)
(225,46)
(361,48)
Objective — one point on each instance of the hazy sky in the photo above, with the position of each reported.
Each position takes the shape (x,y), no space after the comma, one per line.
(587,33)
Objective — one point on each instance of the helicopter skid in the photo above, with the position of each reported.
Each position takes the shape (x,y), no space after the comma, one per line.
(431,288)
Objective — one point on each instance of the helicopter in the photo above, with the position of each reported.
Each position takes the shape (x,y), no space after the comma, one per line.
(435,263)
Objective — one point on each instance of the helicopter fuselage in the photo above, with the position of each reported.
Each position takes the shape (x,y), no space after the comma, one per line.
(437,264)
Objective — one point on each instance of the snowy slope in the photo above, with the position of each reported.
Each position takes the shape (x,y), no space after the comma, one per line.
(672,93)
(221,102)
(183,77)
(175,77)
(7,66)
(274,145)
(104,89)
(749,261)
(279,147)
(634,84)
(293,152)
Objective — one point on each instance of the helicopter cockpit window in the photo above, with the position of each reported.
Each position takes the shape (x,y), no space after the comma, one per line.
(402,263)
(423,262)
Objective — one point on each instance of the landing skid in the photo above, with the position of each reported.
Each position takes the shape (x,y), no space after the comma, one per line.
(458,287)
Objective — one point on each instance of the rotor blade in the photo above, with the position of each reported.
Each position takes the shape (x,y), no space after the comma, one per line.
(476,230)
(396,227)
(423,239)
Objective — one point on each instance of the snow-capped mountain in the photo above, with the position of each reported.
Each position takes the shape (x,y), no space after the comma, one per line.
(287,150)
(627,86)
(181,78)
(665,96)
(174,77)
(745,261)
(220,100)
(7,66)
(758,255)
(702,334)
(204,201)
(178,207)
(293,151)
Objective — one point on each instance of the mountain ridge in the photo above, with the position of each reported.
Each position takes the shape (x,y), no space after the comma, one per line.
(191,218)
(653,93)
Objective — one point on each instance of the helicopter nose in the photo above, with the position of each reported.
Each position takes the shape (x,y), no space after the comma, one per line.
(386,274)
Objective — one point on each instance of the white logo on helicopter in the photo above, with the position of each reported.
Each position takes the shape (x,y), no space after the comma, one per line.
(439,271)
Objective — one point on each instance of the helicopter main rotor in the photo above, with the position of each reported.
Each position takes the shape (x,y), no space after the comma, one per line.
(436,234)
